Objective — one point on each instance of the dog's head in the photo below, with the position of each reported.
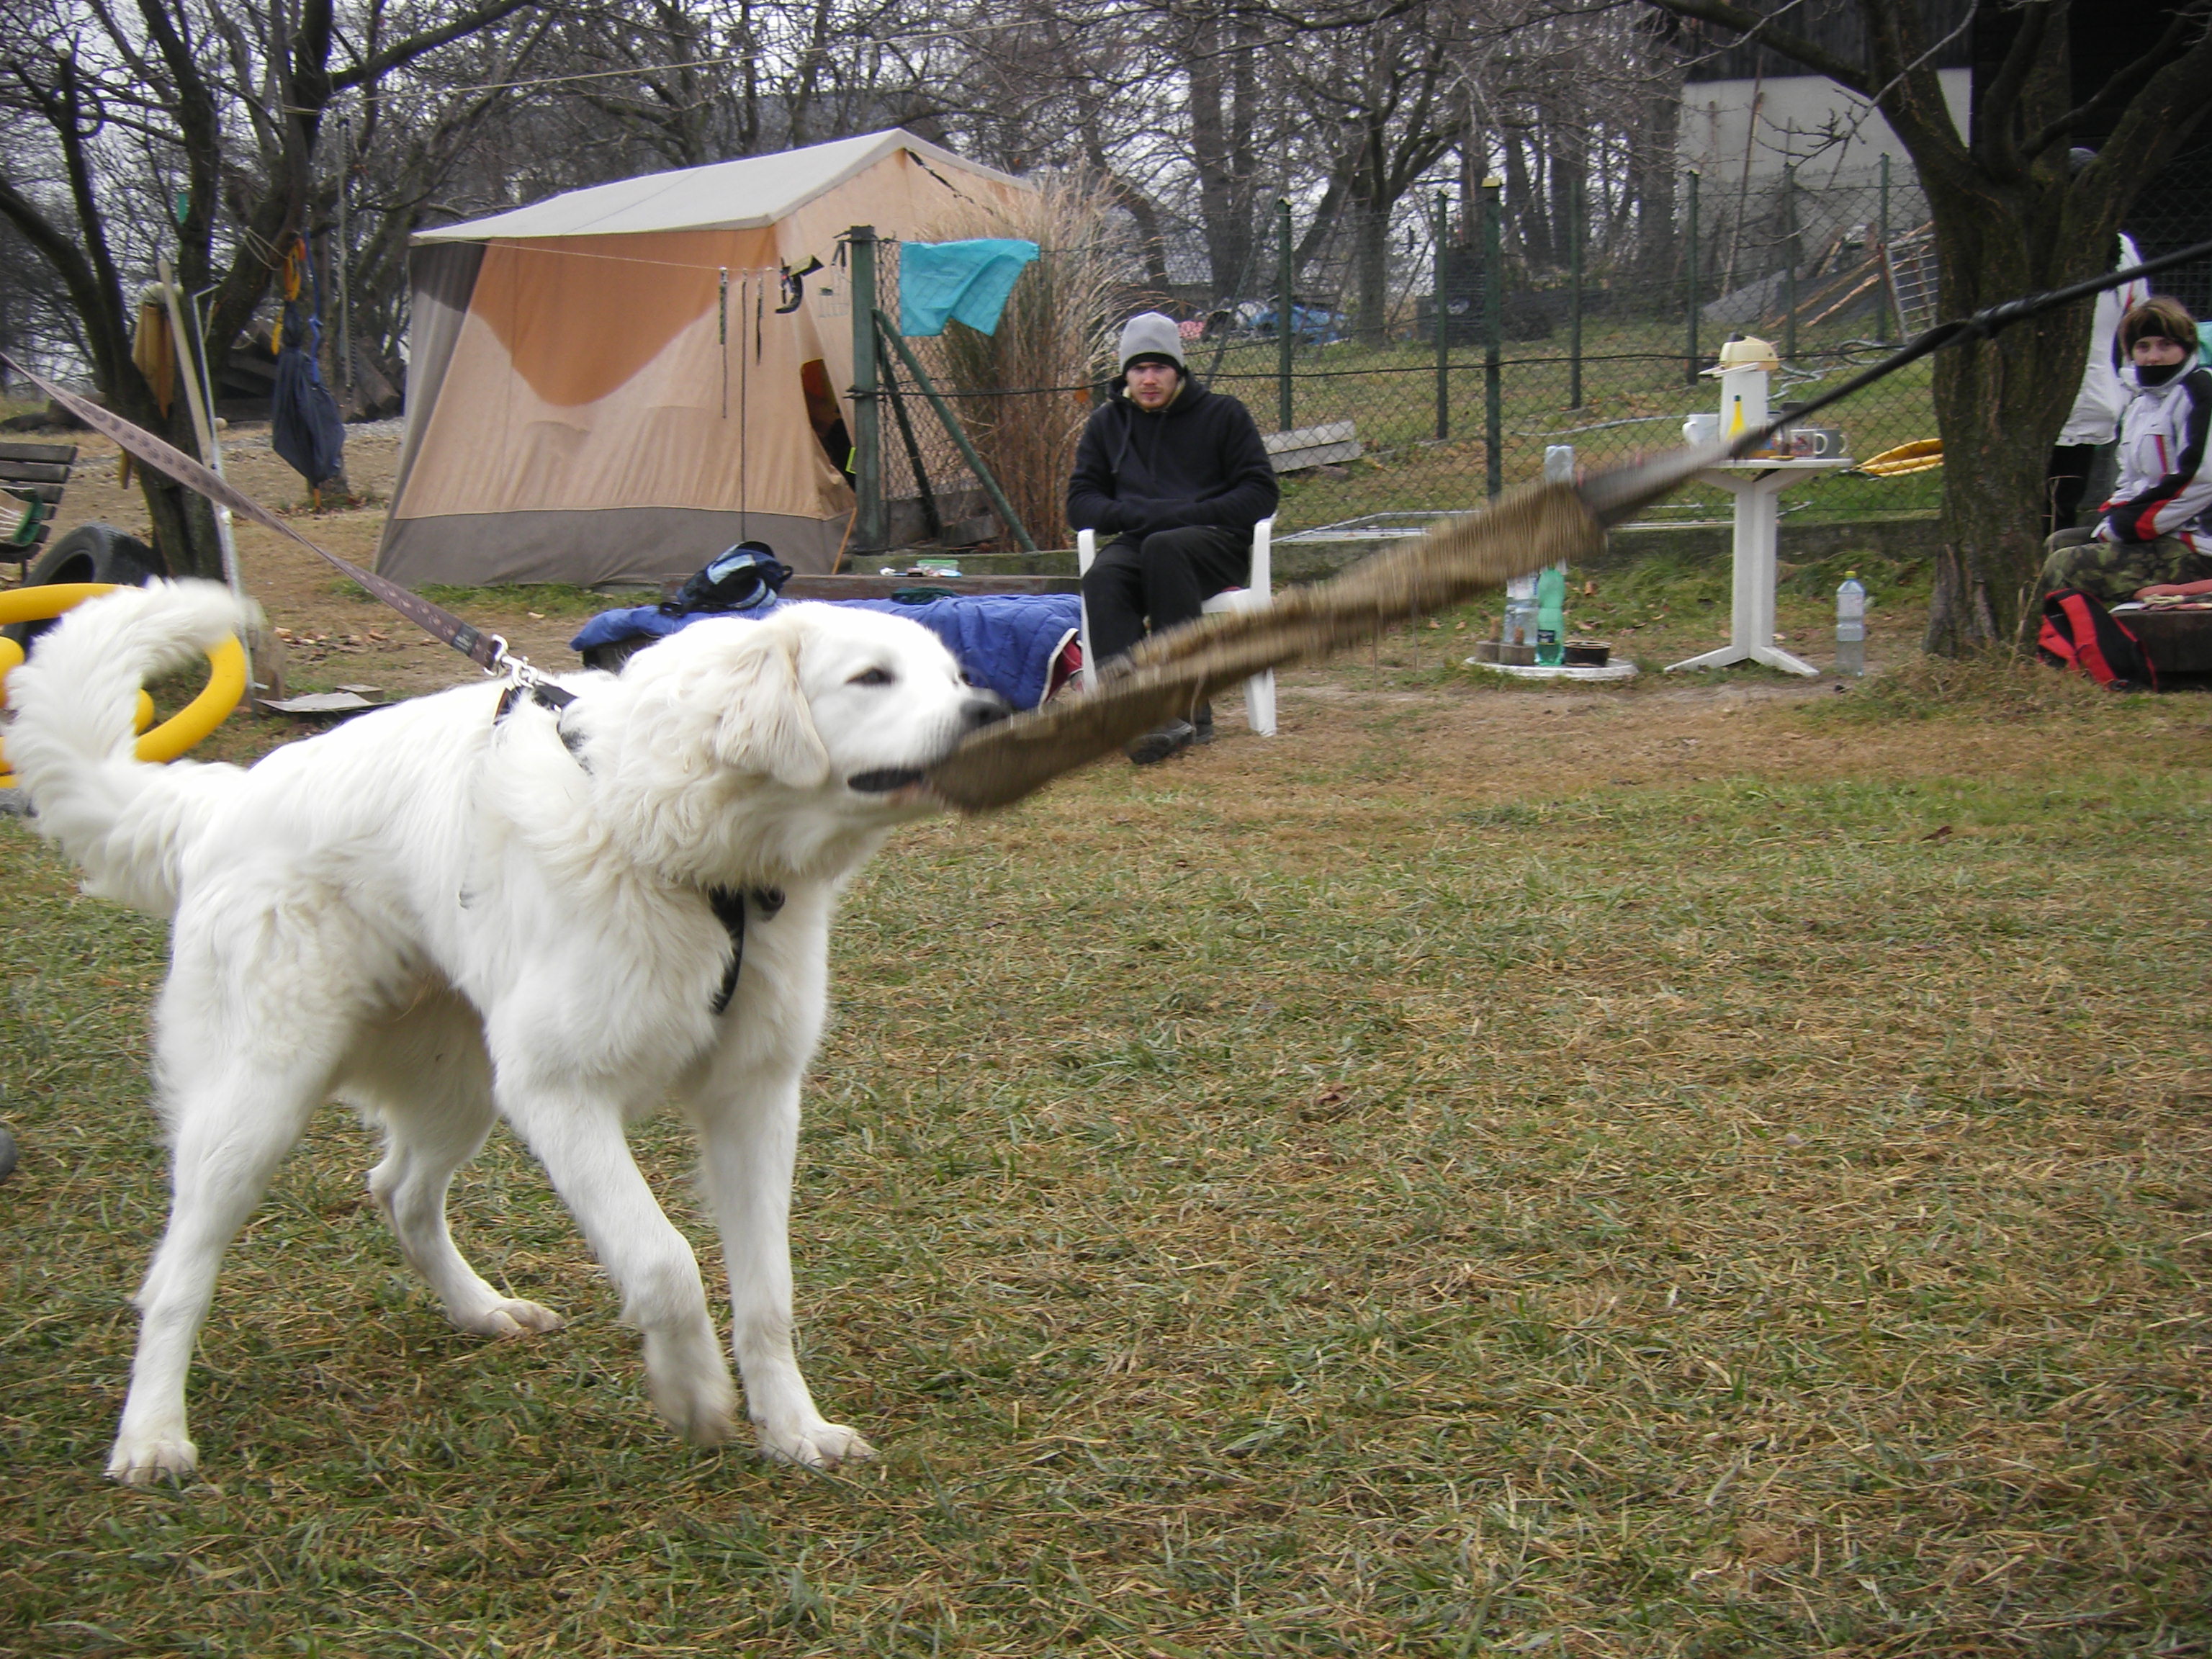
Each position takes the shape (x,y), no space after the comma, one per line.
(822,699)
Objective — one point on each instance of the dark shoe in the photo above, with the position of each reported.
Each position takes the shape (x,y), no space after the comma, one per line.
(1156,746)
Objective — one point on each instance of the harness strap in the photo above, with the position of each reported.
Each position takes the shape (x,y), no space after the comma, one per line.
(728,904)
(729,909)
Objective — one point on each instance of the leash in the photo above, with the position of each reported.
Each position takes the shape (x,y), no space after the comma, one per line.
(488,651)
(1984,324)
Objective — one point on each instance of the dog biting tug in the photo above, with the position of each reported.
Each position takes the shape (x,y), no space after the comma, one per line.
(472,907)
(566,909)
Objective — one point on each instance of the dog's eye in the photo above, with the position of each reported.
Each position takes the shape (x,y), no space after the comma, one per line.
(872,676)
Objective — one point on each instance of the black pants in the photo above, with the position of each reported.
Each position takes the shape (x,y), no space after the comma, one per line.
(1165,576)
(2067,479)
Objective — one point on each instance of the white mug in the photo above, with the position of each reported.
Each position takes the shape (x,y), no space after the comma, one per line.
(1702,428)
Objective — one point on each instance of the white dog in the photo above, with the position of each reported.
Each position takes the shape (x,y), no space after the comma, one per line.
(439,913)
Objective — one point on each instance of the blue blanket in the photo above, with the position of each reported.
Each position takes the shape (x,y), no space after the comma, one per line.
(1007,642)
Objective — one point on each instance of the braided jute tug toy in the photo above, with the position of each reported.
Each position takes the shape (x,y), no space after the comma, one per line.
(1169,674)
(1525,529)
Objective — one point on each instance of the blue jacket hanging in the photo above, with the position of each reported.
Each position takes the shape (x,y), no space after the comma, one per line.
(305,427)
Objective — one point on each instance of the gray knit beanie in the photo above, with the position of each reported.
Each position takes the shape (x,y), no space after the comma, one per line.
(1149,334)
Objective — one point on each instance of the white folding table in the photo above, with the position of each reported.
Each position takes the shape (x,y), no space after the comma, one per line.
(1756,486)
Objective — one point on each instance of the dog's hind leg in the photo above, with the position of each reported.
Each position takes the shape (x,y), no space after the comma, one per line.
(427,1080)
(577,1135)
(232,1129)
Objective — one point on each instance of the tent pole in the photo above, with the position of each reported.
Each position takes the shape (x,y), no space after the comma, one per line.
(868,528)
(958,435)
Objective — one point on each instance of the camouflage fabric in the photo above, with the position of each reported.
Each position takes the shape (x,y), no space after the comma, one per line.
(2112,571)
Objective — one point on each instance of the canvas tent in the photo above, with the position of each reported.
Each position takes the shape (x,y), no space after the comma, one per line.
(611,386)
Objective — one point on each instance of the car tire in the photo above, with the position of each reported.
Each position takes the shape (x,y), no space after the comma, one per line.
(90,553)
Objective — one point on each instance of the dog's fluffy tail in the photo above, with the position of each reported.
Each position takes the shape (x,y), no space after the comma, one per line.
(123,821)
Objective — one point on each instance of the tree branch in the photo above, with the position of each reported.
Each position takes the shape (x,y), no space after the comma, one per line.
(2116,92)
(1754,28)
(414,46)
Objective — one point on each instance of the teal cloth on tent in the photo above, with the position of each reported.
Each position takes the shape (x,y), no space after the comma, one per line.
(967,281)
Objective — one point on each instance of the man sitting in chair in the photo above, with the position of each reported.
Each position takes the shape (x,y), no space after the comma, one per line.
(1176,476)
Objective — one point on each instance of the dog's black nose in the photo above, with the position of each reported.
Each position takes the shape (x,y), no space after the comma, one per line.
(986,708)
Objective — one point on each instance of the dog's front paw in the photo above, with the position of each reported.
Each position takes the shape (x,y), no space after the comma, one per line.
(507,1318)
(690,1388)
(819,1445)
(149,1460)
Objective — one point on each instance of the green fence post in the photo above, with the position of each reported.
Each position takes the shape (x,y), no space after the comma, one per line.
(1493,340)
(869,531)
(1690,282)
(957,433)
(1882,243)
(1789,263)
(1284,259)
(1441,310)
(1575,298)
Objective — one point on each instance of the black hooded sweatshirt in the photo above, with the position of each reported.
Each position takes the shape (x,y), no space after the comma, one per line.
(1198,461)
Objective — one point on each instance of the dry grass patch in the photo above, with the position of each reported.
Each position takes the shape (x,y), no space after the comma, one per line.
(1392,1189)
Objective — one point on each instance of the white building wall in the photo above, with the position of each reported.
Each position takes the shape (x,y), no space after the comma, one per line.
(1765,124)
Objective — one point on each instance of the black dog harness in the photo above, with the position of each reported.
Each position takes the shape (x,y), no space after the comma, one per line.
(729,905)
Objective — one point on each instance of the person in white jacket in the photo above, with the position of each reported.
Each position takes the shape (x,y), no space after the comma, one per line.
(2154,534)
(2097,406)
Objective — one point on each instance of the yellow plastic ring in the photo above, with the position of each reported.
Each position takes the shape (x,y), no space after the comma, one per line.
(225,688)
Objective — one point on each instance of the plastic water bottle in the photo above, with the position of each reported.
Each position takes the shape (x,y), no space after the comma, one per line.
(1552,615)
(1520,612)
(1851,625)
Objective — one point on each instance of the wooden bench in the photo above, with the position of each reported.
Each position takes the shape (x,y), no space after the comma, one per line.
(32,479)
(2177,642)
(859,587)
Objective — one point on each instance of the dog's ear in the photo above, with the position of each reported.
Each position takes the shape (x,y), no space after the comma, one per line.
(766,726)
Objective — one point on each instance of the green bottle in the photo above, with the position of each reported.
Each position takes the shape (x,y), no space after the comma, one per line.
(1552,617)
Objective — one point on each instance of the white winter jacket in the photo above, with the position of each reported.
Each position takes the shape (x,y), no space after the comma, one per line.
(2165,466)
(2098,406)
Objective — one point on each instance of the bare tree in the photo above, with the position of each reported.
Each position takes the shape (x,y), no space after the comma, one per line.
(193,124)
(2010,219)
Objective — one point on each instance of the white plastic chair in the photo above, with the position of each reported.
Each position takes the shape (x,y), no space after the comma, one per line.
(1260,689)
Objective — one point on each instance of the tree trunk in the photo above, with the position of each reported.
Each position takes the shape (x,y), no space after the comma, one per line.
(1370,265)
(1999,405)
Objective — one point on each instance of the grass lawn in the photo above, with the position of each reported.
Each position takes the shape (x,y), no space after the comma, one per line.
(1492,1170)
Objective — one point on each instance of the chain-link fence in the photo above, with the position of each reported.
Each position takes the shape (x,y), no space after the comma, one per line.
(1419,361)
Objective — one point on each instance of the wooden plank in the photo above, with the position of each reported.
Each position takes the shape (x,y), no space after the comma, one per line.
(63,455)
(1313,446)
(1308,437)
(882,587)
(48,492)
(2176,641)
(12,472)
(24,552)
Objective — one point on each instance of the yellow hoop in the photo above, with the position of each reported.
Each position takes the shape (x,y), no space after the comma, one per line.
(225,688)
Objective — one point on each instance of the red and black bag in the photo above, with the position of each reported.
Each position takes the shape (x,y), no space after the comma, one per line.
(2080,633)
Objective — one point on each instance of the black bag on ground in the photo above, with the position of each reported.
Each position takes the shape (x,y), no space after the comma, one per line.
(740,577)
(2080,633)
